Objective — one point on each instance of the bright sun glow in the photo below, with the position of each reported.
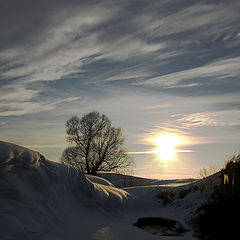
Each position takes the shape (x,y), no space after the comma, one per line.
(166,146)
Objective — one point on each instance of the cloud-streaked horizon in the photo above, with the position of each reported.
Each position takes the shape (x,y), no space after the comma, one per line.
(61,58)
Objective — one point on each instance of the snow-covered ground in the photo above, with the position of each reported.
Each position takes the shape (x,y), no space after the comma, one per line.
(122,181)
(40,199)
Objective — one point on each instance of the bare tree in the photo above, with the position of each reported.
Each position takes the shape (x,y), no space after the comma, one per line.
(95,145)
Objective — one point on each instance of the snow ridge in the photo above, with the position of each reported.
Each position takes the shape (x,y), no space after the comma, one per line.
(39,194)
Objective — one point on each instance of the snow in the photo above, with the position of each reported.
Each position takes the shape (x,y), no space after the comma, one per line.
(41,199)
(122,181)
(96,179)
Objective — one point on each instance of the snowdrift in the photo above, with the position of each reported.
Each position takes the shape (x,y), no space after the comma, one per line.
(40,199)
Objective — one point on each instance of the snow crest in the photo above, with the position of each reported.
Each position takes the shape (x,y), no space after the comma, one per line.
(20,167)
(36,193)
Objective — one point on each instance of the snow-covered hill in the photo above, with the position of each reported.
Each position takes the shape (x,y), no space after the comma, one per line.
(122,181)
(40,199)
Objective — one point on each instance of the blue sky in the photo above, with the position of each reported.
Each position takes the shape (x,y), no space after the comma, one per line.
(152,67)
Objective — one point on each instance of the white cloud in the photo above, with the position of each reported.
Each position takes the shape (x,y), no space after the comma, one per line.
(15,108)
(214,16)
(66,44)
(56,65)
(200,119)
(217,69)
(127,75)
(61,49)
(219,118)
(127,47)
(17,92)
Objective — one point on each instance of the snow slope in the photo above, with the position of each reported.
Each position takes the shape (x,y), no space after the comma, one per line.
(122,181)
(40,199)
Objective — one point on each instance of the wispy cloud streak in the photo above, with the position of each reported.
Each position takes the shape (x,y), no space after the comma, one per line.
(163,46)
(220,69)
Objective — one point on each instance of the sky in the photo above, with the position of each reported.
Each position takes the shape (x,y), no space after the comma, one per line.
(153,67)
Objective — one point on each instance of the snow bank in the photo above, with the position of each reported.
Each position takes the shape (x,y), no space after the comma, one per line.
(37,196)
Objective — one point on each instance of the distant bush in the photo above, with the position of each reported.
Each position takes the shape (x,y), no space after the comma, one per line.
(218,219)
(184,192)
(195,188)
(166,196)
(202,187)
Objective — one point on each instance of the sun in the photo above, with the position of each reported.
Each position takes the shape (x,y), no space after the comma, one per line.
(166,144)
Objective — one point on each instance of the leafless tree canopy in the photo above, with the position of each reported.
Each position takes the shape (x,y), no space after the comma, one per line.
(95,145)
